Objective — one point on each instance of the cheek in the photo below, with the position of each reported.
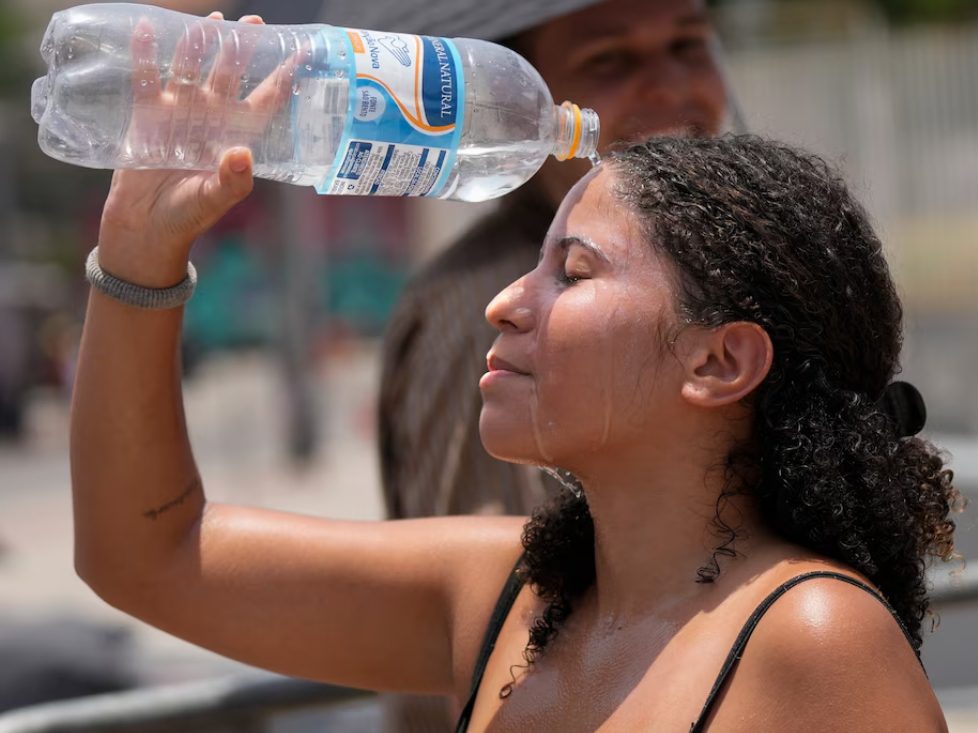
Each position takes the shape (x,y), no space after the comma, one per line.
(707,90)
(600,361)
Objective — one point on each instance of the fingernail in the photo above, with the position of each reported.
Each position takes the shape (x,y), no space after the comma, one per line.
(239,161)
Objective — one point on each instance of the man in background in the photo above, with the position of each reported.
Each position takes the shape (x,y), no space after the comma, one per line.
(646,67)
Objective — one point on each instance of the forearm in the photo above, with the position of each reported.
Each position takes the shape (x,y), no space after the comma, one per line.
(135,487)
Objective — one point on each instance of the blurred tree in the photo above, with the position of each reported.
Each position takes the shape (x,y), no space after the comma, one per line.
(906,11)
(13,65)
(899,11)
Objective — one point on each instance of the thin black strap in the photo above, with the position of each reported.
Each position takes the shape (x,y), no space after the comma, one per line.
(514,584)
(736,652)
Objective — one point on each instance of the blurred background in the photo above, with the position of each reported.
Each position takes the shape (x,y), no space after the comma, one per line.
(281,346)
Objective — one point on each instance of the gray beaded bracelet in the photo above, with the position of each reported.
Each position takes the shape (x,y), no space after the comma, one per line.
(137,295)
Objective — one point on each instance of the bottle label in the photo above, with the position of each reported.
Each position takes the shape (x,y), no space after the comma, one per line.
(405,116)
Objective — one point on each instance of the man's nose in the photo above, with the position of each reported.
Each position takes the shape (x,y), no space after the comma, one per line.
(510,311)
(661,80)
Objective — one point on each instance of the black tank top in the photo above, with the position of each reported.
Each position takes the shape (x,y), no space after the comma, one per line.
(512,589)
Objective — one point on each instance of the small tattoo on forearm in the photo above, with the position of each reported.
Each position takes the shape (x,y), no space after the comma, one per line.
(189,491)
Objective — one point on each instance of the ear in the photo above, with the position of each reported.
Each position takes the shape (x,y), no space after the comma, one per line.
(725,364)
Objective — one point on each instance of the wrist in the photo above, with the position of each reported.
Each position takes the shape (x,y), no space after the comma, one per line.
(143,263)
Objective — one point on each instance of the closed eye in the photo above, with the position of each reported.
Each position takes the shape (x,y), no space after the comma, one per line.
(573,258)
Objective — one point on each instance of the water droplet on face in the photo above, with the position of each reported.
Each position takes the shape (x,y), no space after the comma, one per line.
(144,83)
(295,90)
(308,67)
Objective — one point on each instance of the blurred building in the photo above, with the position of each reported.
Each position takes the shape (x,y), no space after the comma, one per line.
(897,110)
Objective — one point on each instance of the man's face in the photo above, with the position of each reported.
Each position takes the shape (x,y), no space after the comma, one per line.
(644,66)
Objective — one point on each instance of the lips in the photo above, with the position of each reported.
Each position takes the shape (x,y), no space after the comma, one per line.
(640,131)
(496,363)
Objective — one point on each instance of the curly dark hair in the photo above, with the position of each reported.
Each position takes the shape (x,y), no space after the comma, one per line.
(758,231)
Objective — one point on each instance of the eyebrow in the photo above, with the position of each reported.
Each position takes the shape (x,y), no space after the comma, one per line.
(565,243)
(694,20)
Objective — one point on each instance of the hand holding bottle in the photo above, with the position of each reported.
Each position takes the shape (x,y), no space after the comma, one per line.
(152,217)
(191,115)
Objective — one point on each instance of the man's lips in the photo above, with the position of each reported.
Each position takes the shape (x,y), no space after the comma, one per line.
(640,133)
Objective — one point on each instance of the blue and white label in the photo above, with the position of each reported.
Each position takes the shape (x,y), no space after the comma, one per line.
(406,115)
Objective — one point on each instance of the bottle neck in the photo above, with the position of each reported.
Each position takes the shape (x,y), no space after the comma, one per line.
(577,132)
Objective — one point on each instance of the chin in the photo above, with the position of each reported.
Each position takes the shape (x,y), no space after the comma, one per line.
(507,441)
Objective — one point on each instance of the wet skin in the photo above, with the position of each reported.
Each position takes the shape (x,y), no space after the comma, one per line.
(577,374)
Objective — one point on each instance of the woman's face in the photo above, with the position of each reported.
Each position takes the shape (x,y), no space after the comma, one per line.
(580,367)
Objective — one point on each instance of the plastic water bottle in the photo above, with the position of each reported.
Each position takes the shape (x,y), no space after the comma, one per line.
(351,112)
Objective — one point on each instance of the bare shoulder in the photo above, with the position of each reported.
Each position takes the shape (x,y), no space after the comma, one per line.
(829,656)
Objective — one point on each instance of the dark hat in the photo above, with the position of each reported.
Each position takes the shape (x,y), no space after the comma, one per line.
(489,19)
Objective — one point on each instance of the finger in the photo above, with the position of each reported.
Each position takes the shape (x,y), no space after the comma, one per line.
(269,96)
(146,90)
(145,67)
(232,183)
(236,49)
(188,57)
(216,15)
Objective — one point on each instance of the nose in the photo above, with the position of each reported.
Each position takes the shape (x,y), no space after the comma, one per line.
(509,311)
(662,81)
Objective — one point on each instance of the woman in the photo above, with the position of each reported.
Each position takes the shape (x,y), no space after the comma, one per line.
(704,345)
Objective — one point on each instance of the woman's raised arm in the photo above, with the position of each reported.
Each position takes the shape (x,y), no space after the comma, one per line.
(363,604)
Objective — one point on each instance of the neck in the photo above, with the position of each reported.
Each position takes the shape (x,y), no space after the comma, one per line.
(654,530)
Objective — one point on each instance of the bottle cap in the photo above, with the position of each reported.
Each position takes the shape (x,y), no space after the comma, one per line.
(577,132)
